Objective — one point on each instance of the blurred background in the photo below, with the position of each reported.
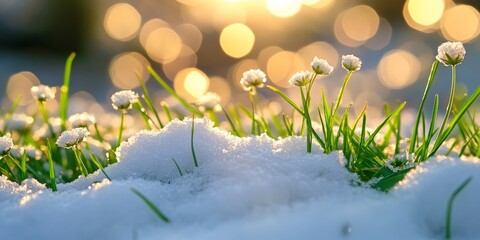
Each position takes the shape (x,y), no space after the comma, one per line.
(206,45)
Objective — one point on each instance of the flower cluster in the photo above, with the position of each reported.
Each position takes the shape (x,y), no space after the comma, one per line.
(321,66)
(300,79)
(6,143)
(451,53)
(124,99)
(81,120)
(253,78)
(42,92)
(351,63)
(209,101)
(19,122)
(71,138)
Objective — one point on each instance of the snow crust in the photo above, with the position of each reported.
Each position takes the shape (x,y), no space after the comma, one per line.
(244,188)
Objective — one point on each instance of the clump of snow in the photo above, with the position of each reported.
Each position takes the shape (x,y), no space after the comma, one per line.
(244,188)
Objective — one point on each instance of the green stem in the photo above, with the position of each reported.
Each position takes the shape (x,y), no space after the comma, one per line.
(82,167)
(64,90)
(340,94)
(308,120)
(431,77)
(450,100)
(253,113)
(51,167)
(120,132)
(191,142)
(43,111)
(448,231)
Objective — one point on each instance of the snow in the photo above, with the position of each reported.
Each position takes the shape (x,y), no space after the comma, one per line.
(244,188)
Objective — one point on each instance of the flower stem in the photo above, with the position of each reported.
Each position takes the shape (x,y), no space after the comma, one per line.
(120,132)
(340,94)
(253,113)
(44,113)
(450,100)
(82,167)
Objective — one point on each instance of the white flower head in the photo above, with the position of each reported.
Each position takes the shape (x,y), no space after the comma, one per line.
(351,63)
(321,66)
(43,93)
(71,138)
(300,79)
(17,151)
(81,120)
(252,79)
(44,132)
(6,143)
(124,99)
(19,122)
(451,53)
(209,101)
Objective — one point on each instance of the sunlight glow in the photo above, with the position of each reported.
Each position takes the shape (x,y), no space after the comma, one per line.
(19,84)
(191,83)
(425,12)
(461,23)
(237,40)
(398,69)
(122,21)
(125,66)
(356,25)
(284,8)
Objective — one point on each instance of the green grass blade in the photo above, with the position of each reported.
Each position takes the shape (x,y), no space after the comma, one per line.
(64,90)
(191,142)
(172,92)
(97,163)
(51,167)
(448,221)
(286,98)
(178,167)
(148,100)
(152,206)
(385,122)
(444,135)
(431,77)
(232,125)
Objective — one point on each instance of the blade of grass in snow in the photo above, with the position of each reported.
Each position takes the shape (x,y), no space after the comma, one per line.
(191,142)
(386,121)
(444,135)
(23,164)
(148,100)
(448,221)
(188,106)
(286,98)
(232,125)
(166,109)
(51,167)
(431,77)
(97,163)
(64,90)
(152,206)
(178,167)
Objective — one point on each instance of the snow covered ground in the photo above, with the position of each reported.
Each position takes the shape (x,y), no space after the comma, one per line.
(244,188)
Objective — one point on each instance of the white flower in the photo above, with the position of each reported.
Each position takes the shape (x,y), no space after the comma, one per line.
(43,92)
(44,132)
(321,66)
(124,99)
(33,153)
(19,122)
(252,79)
(209,101)
(6,143)
(351,63)
(451,53)
(72,137)
(81,120)
(17,151)
(300,78)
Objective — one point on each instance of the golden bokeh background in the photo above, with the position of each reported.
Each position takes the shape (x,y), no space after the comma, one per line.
(206,45)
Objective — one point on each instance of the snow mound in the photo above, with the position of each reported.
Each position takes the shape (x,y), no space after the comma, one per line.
(244,188)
